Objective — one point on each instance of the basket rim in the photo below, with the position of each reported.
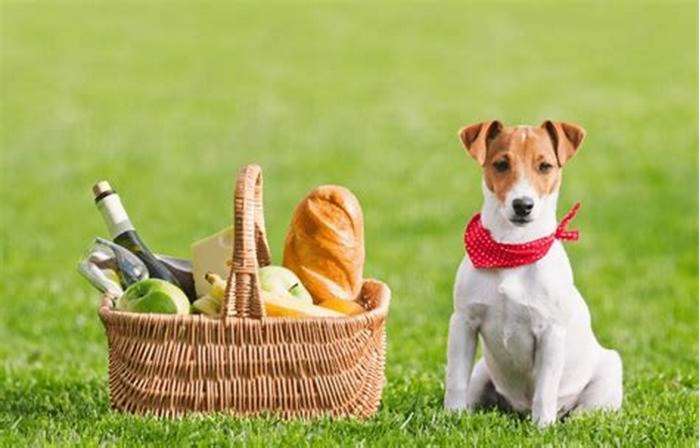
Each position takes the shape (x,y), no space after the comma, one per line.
(106,310)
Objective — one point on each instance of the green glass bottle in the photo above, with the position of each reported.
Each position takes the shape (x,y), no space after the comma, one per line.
(122,231)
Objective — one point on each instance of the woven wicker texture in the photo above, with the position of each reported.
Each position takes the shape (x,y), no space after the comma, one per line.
(243,362)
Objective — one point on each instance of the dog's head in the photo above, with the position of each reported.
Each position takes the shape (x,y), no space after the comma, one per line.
(522,164)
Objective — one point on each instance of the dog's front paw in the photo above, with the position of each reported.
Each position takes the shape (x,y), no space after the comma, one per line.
(455,400)
(544,420)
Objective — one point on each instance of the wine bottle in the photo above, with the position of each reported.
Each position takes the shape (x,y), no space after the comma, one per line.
(122,231)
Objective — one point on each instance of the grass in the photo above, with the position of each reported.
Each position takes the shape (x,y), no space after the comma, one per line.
(168,102)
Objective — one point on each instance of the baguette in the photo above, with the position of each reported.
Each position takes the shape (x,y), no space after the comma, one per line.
(325,244)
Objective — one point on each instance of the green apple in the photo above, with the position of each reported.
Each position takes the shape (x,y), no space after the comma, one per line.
(154,295)
(284,282)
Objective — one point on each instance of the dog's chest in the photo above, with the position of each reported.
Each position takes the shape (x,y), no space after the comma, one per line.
(512,307)
(509,319)
(512,319)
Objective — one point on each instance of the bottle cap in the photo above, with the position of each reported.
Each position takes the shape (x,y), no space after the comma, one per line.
(101,187)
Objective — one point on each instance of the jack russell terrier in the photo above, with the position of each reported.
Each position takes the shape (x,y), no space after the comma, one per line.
(516,290)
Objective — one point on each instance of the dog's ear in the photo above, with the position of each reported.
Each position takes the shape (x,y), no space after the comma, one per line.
(476,138)
(566,138)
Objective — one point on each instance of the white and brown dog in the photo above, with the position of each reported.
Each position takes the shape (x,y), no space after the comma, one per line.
(516,290)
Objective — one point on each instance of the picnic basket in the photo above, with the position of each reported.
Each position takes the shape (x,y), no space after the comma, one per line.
(243,362)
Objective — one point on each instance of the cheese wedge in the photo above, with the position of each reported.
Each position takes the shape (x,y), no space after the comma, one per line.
(211,254)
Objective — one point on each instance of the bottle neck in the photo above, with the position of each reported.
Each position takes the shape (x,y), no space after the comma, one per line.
(114,215)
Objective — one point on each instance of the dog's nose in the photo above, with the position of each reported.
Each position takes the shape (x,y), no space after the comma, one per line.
(523,206)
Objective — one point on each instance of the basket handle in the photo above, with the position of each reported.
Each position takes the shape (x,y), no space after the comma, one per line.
(250,248)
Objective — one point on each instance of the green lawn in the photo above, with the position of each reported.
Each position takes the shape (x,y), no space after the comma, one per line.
(169,102)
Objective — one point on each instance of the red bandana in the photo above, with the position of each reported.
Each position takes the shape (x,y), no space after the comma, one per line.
(485,253)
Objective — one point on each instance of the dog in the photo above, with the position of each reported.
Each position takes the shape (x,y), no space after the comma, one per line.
(540,355)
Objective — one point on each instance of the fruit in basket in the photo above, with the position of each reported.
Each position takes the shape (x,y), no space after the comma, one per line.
(207,305)
(217,284)
(210,304)
(347,307)
(282,281)
(276,304)
(325,244)
(153,295)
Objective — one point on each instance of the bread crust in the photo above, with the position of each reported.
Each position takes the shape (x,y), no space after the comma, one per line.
(325,244)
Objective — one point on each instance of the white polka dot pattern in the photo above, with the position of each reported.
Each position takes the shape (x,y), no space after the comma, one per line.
(485,253)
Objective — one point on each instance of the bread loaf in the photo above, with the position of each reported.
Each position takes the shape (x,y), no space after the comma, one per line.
(325,244)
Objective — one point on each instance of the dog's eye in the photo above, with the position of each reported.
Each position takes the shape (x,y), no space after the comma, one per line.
(501,166)
(545,167)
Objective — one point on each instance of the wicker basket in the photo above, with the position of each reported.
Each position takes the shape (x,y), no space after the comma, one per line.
(243,362)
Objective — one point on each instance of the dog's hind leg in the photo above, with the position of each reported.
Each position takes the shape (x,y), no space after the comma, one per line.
(482,393)
(604,391)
